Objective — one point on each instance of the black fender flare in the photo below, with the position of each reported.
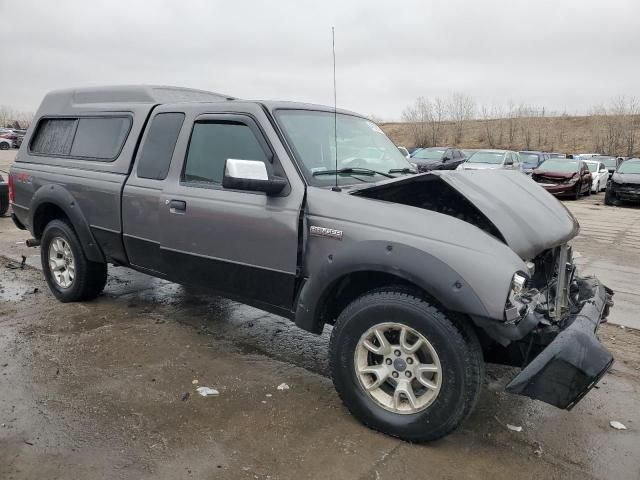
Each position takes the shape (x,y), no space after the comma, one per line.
(422,269)
(62,198)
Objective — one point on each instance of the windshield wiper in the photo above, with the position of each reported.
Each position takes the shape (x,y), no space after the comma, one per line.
(357,170)
(402,170)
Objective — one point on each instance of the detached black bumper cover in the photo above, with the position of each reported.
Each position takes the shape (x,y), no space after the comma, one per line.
(575,360)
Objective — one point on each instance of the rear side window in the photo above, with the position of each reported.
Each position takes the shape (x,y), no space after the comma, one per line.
(54,136)
(212,143)
(100,138)
(93,138)
(158,147)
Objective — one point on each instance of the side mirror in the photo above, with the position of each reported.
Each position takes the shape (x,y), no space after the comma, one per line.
(251,175)
(604,170)
(445,159)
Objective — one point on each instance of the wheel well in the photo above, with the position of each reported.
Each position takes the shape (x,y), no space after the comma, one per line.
(44,214)
(352,285)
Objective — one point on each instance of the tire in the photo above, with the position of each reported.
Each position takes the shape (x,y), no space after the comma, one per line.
(4,204)
(88,278)
(589,189)
(610,199)
(459,359)
(578,191)
(4,146)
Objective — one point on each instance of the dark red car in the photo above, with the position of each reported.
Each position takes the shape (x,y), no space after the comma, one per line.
(560,177)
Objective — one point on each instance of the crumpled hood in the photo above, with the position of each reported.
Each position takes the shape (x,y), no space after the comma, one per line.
(553,175)
(508,204)
(627,178)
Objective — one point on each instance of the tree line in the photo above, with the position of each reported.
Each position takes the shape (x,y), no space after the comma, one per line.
(458,120)
(13,118)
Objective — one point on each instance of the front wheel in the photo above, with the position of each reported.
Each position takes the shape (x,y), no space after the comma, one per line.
(589,189)
(70,276)
(402,367)
(4,204)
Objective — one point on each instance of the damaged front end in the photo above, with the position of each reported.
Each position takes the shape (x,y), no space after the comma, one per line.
(561,356)
(550,315)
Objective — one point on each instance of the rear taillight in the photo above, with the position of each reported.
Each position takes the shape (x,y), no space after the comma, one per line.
(12,195)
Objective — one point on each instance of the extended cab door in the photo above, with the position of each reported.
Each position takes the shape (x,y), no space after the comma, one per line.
(242,244)
(141,205)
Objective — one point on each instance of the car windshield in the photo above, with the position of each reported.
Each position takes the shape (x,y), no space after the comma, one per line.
(486,157)
(364,153)
(530,159)
(593,166)
(429,154)
(630,166)
(559,166)
(609,162)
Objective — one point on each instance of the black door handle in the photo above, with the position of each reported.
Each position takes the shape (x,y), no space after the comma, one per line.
(180,205)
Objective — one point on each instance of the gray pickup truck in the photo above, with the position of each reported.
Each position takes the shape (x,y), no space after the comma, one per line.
(313,214)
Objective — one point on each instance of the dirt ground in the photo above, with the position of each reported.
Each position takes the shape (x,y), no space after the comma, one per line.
(104,389)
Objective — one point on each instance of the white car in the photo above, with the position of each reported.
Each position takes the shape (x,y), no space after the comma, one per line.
(404,151)
(600,175)
(5,143)
(492,159)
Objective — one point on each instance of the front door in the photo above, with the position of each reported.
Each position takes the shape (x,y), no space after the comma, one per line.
(239,243)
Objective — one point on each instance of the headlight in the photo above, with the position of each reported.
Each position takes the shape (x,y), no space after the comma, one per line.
(513,305)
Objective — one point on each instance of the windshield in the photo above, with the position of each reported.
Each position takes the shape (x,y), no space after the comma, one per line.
(486,157)
(609,162)
(429,154)
(362,146)
(559,166)
(593,166)
(630,166)
(530,159)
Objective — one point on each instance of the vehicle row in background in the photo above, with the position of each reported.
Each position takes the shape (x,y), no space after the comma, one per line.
(492,159)
(11,137)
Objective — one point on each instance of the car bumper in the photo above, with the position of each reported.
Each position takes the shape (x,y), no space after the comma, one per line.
(628,195)
(560,188)
(573,362)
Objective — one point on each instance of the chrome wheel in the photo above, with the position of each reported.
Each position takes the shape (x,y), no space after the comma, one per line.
(61,262)
(398,368)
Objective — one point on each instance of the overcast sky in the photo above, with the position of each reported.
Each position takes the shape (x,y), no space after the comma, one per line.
(561,54)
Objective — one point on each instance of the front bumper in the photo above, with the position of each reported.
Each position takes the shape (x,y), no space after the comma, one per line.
(627,194)
(574,361)
(560,188)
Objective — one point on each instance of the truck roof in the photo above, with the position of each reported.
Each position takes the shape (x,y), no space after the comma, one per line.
(126,94)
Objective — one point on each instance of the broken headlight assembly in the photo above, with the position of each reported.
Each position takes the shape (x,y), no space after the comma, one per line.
(518,298)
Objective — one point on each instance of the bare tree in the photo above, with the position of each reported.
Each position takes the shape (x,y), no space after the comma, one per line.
(417,116)
(461,108)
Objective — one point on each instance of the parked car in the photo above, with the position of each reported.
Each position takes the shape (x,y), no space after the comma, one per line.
(5,143)
(564,177)
(609,161)
(557,155)
(600,175)
(404,151)
(420,275)
(531,160)
(15,137)
(624,185)
(4,196)
(437,158)
(492,159)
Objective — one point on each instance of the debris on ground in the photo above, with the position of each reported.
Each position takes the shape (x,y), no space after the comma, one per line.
(185,396)
(23,263)
(268,395)
(207,392)
(617,425)
(283,386)
(194,381)
(514,428)
(538,451)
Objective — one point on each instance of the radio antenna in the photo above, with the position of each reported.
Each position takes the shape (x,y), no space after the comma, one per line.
(335,107)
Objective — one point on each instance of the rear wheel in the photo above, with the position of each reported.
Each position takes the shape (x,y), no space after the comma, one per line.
(402,367)
(70,276)
(4,146)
